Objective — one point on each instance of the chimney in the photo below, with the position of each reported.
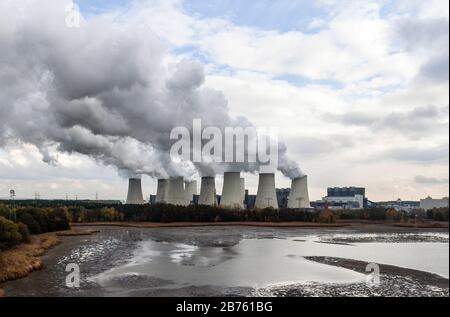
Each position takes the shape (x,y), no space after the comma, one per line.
(134,196)
(231,193)
(190,189)
(266,196)
(208,192)
(242,189)
(299,197)
(162,191)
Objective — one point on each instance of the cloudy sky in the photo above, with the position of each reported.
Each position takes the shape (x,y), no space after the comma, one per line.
(358,89)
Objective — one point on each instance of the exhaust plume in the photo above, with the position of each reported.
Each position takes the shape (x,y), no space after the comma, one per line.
(104,90)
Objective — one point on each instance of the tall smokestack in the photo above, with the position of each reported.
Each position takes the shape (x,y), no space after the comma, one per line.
(134,196)
(231,193)
(176,195)
(190,189)
(208,192)
(266,196)
(162,191)
(242,189)
(299,197)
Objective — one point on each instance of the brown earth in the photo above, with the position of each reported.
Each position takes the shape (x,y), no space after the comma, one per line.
(359,225)
(76,232)
(23,259)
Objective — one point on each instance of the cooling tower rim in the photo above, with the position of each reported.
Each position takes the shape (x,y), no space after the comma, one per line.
(300,177)
(208,177)
(266,173)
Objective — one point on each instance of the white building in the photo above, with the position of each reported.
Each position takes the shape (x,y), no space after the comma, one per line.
(430,203)
(345,198)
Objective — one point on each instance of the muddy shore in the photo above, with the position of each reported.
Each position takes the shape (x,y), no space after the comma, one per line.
(359,225)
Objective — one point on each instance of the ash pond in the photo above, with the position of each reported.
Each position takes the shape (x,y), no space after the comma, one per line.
(235,261)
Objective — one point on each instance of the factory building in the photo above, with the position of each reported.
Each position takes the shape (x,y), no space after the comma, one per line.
(430,203)
(344,198)
(283,197)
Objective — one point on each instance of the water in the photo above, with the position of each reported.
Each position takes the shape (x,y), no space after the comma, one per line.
(222,261)
(263,262)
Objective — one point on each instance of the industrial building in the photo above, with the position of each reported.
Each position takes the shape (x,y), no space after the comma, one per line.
(430,203)
(400,205)
(343,198)
(176,191)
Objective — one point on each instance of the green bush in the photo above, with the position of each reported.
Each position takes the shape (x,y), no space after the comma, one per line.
(9,234)
(29,221)
(24,232)
(110,214)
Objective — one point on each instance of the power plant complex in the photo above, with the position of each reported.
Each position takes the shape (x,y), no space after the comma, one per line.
(177,191)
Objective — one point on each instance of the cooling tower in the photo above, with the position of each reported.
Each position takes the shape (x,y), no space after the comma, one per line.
(190,189)
(208,192)
(162,191)
(299,197)
(231,193)
(266,196)
(176,195)
(134,196)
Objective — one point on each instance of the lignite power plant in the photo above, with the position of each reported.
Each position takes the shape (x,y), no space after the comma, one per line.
(176,191)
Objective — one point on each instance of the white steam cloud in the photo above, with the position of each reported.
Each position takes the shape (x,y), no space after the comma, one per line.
(102,90)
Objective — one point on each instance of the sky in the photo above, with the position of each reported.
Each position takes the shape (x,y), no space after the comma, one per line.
(358,90)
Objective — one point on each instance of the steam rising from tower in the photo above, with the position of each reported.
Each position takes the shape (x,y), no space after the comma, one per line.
(83,103)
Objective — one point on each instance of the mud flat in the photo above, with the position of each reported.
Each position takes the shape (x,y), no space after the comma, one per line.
(394,282)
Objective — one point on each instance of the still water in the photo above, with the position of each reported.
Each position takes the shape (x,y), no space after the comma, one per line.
(218,261)
(263,262)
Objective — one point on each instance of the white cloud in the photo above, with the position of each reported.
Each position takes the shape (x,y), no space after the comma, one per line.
(355,45)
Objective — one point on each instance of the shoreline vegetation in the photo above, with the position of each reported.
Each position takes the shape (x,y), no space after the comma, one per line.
(383,225)
(21,260)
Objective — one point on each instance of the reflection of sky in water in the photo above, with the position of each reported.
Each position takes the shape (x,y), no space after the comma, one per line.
(261,262)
